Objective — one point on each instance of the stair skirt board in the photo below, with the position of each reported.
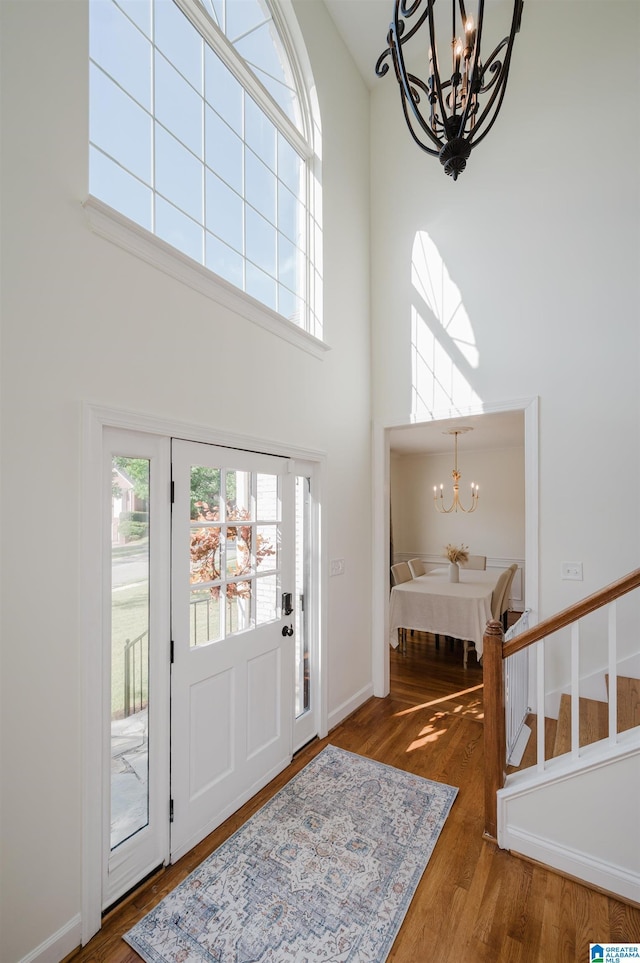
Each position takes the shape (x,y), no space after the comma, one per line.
(582,867)
(526,826)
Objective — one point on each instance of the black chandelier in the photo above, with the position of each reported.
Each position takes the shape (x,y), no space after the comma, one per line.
(449,117)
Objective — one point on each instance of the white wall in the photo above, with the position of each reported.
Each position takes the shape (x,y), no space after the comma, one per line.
(525,283)
(83,320)
(534,255)
(554,823)
(495,529)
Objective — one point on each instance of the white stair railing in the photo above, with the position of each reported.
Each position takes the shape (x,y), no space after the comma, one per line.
(574,687)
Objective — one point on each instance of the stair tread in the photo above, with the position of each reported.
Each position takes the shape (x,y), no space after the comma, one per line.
(529,756)
(628,702)
(593,725)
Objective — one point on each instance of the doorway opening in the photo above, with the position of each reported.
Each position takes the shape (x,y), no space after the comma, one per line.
(518,423)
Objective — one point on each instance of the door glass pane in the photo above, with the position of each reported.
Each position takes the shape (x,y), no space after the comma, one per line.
(267,547)
(238,493)
(235,559)
(238,549)
(205,493)
(205,554)
(303,688)
(266,599)
(267,502)
(204,616)
(129,647)
(238,596)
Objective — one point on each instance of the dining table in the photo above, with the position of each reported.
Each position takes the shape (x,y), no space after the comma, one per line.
(433,603)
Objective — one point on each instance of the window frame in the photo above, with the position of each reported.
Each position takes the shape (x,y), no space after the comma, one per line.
(111,224)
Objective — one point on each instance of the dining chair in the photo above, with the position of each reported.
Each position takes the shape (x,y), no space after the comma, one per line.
(498,594)
(504,581)
(416,566)
(400,572)
(506,596)
(477,562)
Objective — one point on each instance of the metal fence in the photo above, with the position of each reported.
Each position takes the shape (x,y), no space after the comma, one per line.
(136,674)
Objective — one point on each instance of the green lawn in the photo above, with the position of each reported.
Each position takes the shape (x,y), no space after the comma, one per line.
(129,618)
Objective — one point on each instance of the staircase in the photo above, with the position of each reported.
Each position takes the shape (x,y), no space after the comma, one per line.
(594,716)
(594,722)
(571,804)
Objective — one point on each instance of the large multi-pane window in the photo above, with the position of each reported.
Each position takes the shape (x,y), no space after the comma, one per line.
(198,133)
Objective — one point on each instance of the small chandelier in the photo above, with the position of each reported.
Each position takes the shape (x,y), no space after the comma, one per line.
(438,497)
(447,116)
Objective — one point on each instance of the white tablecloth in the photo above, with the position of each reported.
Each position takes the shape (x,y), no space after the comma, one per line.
(431,603)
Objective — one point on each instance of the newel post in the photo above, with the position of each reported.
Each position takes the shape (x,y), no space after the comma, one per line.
(495,739)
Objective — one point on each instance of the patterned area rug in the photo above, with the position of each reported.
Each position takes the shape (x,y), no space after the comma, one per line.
(324,871)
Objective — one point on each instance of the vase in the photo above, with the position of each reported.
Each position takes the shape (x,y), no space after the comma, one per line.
(454,572)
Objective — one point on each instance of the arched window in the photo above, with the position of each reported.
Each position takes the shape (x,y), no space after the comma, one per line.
(200,132)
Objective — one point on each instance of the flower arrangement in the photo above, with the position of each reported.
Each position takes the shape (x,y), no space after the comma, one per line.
(457,553)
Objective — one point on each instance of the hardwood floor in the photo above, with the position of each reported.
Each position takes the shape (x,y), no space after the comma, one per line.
(475,902)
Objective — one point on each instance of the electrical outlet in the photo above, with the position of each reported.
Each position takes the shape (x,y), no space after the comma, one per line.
(572,570)
(336,566)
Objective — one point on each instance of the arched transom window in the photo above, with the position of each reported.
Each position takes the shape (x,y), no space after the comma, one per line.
(200,133)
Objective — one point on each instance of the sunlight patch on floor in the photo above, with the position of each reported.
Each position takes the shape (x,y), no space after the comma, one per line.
(435,702)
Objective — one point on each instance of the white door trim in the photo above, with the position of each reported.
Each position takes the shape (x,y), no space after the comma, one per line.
(315,722)
(381,521)
(94,419)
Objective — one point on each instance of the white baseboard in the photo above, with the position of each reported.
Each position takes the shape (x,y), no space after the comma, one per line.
(344,710)
(581,866)
(56,947)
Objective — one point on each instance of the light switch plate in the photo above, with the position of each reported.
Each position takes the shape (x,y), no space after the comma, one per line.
(336,566)
(572,570)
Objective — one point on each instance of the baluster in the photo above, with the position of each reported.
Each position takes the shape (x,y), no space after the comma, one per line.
(127,680)
(575,689)
(612,636)
(540,705)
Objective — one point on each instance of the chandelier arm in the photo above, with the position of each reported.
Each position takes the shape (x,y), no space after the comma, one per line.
(440,508)
(498,93)
(471,99)
(500,79)
(405,80)
(401,37)
(407,117)
(439,86)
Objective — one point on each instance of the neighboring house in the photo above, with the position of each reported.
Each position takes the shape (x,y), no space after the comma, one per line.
(541,237)
(124,501)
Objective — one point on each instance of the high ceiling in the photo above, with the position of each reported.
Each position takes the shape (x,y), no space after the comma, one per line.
(363,25)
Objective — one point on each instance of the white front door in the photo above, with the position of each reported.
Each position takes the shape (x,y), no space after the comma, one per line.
(232,680)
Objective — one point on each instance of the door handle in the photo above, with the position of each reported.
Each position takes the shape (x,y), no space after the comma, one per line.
(287,630)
